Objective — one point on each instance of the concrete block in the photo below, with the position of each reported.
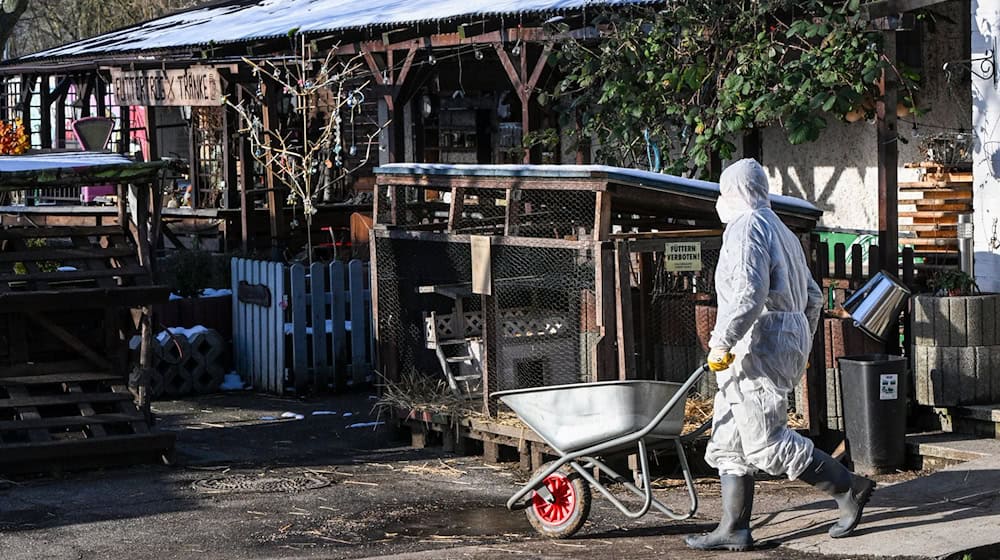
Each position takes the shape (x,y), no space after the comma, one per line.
(995,374)
(984,372)
(922,321)
(949,378)
(958,317)
(921,374)
(974,309)
(966,374)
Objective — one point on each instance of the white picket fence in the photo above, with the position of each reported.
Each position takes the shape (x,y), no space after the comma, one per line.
(317,339)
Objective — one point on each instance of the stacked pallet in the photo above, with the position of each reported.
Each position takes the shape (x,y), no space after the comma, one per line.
(929,210)
(50,421)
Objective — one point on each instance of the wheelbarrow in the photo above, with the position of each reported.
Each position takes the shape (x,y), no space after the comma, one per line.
(585,421)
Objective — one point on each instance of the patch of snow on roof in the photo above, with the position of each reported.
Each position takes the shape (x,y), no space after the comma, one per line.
(275,18)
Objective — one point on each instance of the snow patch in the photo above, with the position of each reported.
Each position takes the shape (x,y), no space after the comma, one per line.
(232,382)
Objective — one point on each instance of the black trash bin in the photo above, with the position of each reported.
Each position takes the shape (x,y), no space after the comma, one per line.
(873,388)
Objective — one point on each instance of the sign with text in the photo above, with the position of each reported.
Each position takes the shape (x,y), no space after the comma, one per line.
(195,86)
(682,257)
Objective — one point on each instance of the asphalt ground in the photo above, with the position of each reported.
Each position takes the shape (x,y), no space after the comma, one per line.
(247,483)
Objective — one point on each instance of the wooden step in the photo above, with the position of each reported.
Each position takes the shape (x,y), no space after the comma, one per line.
(85,453)
(36,233)
(59,378)
(929,185)
(68,421)
(933,241)
(932,206)
(952,229)
(936,194)
(973,420)
(940,449)
(65,398)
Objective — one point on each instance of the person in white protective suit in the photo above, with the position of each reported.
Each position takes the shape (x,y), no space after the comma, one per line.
(769,307)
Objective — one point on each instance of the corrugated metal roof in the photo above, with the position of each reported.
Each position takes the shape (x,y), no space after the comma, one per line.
(638,178)
(245,20)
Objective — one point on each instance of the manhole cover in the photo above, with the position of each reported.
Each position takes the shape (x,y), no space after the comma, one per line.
(260,483)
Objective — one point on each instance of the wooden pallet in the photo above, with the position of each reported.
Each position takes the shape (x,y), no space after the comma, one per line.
(67,420)
(931,207)
(52,268)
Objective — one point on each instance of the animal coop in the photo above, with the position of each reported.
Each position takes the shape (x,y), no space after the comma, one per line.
(506,277)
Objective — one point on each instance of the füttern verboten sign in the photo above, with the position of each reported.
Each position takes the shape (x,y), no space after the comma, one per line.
(682,257)
(194,86)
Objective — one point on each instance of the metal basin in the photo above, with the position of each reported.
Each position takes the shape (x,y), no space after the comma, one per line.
(572,417)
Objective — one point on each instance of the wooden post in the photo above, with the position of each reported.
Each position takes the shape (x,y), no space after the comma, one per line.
(491,337)
(230,162)
(246,181)
(60,121)
(45,124)
(101,94)
(124,129)
(814,388)
(275,202)
(645,344)
(194,157)
(623,303)
(888,161)
(524,84)
(151,138)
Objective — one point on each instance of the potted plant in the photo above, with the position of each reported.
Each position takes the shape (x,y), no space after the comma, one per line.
(956,342)
(953,283)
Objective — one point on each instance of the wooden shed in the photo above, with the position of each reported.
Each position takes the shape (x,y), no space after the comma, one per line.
(71,300)
(509,276)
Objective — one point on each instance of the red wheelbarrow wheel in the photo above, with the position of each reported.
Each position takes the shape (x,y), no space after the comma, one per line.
(568,509)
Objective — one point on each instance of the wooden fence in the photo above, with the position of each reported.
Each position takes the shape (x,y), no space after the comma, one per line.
(316,322)
(258,323)
(847,270)
(842,275)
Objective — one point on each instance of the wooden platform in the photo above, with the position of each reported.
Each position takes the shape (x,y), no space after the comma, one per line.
(498,441)
(67,420)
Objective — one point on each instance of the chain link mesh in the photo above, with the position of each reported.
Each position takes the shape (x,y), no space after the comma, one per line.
(674,312)
(545,316)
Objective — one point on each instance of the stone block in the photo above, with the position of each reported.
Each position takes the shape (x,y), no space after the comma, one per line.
(958,321)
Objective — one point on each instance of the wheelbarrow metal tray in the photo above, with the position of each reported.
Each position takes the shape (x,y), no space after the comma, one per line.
(573,417)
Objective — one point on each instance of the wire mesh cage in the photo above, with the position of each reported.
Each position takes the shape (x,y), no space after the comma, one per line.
(588,274)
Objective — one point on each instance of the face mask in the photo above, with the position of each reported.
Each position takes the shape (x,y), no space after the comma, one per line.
(728,209)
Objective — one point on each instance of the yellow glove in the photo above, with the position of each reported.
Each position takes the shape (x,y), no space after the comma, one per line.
(720,359)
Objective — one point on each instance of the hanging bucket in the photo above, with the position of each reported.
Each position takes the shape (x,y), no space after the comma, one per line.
(876,306)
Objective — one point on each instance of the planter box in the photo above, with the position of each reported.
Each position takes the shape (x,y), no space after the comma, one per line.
(956,351)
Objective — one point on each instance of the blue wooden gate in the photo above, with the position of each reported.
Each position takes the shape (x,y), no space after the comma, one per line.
(324,326)
(258,336)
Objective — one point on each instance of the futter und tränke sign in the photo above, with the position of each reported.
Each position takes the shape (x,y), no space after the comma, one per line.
(194,86)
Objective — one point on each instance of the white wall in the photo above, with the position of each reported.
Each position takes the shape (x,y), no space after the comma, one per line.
(986,153)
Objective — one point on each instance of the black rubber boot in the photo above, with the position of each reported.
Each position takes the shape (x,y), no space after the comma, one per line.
(850,491)
(733,532)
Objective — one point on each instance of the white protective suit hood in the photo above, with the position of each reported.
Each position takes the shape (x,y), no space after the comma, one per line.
(743,188)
